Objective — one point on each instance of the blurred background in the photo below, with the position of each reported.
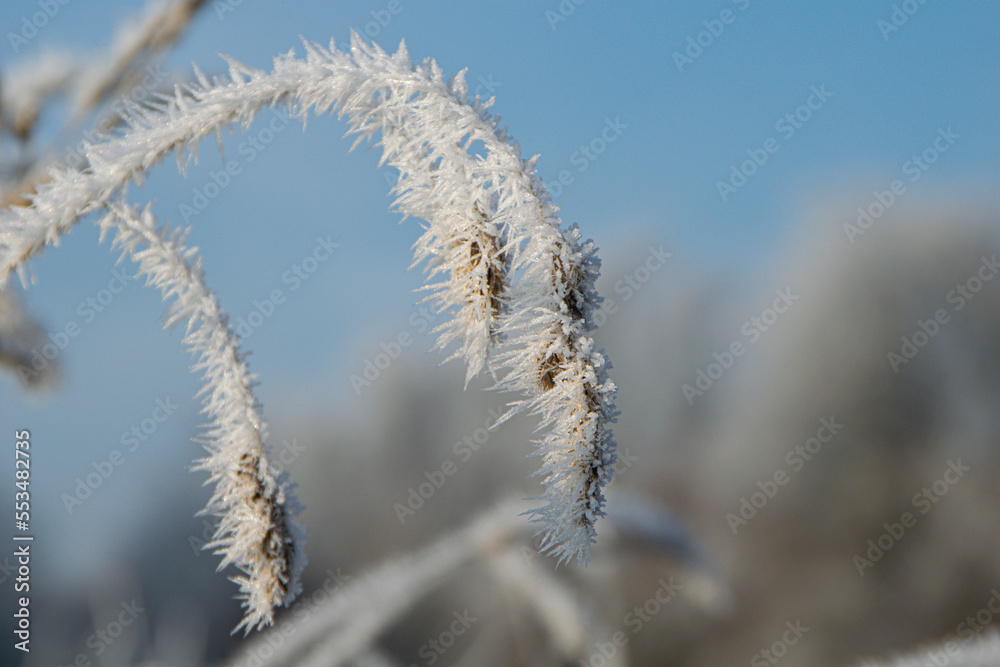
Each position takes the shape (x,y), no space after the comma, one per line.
(797,215)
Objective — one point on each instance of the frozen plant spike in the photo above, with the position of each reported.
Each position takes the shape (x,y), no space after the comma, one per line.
(518,284)
(257,531)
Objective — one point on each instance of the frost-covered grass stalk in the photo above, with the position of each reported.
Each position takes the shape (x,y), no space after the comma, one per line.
(256,530)
(125,70)
(520,286)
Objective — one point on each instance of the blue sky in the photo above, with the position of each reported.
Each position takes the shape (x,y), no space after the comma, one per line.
(559,84)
